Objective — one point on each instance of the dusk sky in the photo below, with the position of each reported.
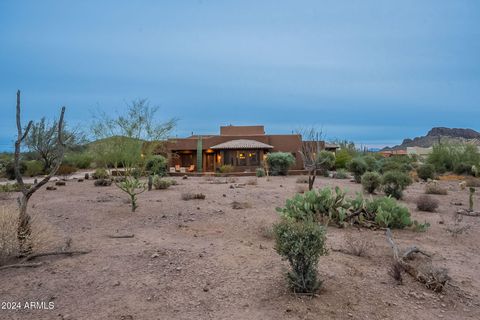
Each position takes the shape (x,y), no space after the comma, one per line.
(374,72)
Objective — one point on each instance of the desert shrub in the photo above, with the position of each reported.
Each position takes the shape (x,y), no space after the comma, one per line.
(161,183)
(357,246)
(34,168)
(301,188)
(157,165)
(371,181)
(394,182)
(12,187)
(260,172)
(41,236)
(427,203)
(102,182)
(190,196)
(342,158)
(326,161)
(66,170)
(226,168)
(463,168)
(435,188)
(10,170)
(426,171)
(241,205)
(301,243)
(279,163)
(454,157)
(357,167)
(371,162)
(472,182)
(252,182)
(341,174)
(100,173)
(396,163)
(302,179)
(80,160)
(388,213)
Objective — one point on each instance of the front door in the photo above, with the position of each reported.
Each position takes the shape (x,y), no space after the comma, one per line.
(210,159)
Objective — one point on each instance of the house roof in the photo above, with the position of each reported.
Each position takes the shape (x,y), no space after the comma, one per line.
(242,144)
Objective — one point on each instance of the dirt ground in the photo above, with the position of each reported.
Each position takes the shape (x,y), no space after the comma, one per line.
(201,259)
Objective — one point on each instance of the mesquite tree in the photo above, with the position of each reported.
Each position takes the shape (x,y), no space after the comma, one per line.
(24,227)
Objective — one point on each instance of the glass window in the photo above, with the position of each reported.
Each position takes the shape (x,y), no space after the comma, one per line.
(241,158)
(253,158)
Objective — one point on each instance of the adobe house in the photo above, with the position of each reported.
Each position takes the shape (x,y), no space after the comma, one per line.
(243,147)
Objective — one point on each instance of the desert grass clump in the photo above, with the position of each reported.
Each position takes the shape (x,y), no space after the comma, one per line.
(427,203)
(102,183)
(241,205)
(267,232)
(341,174)
(301,243)
(302,179)
(472,182)
(191,196)
(226,168)
(357,246)
(252,182)
(301,189)
(435,188)
(371,181)
(260,172)
(161,183)
(41,237)
(394,182)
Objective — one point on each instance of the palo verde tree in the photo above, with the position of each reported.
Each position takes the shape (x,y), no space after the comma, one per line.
(126,143)
(57,147)
(314,159)
(42,140)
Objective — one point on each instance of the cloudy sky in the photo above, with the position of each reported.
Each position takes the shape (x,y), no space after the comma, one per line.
(370,71)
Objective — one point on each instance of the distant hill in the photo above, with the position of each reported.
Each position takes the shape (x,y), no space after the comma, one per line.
(437,134)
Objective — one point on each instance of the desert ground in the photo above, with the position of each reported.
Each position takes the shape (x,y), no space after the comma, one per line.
(202,259)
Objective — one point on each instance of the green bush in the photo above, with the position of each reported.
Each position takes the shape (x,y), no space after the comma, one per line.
(78,160)
(326,161)
(459,158)
(357,167)
(394,182)
(426,171)
(388,213)
(12,187)
(371,162)
(34,168)
(157,165)
(279,163)
(371,181)
(301,243)
(161,183)
(260,172)
(100,173)
(464,168)
(341,174)
(401,163)
(10,170)
(342,158)
(226,168)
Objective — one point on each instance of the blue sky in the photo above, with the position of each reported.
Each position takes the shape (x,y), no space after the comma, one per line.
(370,71)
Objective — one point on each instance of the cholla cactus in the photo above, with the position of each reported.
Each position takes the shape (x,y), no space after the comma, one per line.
(475,171)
